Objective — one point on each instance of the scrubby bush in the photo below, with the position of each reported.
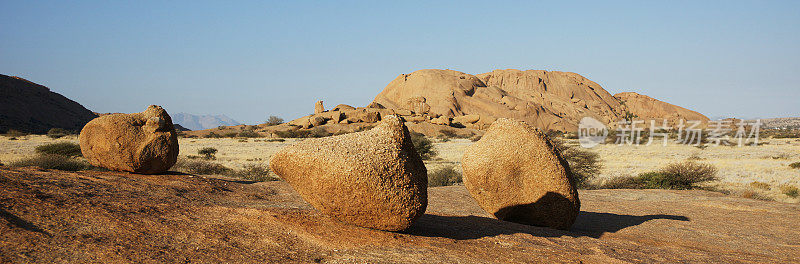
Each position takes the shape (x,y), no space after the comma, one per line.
(676,176)
(212,135)
(423,145)
(448,133)
(57,133)
(760,185)
(253,172)
(208,153)
(249,134)
(584,164)
(274,121)
(13,133)
(52,161)
(795,165)
(200,167)
(789,190)
(444,176)
(230,135)
(749,194)
(68,149)
(691,172)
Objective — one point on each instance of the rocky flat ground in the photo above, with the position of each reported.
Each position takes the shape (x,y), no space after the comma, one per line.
(111,217)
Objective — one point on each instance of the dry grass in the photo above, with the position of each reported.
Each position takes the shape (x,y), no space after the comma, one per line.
(53,162)
(760,185)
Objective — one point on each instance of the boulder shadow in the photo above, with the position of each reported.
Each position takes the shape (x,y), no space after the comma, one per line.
(21,223)
(522,218)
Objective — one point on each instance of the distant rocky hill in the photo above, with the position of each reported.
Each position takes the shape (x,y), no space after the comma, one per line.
(33,108)
(434,100)
(200,122)
(781,123)
(648,108)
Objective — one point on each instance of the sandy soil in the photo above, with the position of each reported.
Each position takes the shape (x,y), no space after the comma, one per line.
(738,166)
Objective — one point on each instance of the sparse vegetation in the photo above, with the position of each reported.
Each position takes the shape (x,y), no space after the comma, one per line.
(201,167)
(68,149)
(749,194)
(252,172)
(248,134)
(448,133)
(760,185)
(212,135)
(789,190)
(52,161)
(274,121)
(444,176)
(423,145)
(55,133)
(13,133)
(316,132)
(208,153)
(795,165)
(676,176)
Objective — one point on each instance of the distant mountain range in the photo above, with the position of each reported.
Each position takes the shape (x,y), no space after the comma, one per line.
(200,122)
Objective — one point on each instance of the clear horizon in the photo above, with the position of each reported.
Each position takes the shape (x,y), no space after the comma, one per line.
(250,60)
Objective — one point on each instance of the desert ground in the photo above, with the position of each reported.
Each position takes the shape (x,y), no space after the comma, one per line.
(738,167)
(113,217)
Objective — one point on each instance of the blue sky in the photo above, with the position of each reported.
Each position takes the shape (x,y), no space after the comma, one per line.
(250,60)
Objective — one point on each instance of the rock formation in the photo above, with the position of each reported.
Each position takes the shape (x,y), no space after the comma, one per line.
(548,100)
(516,174)
(144,143)
(647,108)
(372,179)
(319,108)
(33,108)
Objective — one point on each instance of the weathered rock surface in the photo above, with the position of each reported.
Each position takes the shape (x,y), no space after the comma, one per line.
(319,108)
(516,174)
(115,217)
(143,142)
(33,108)
(372,179)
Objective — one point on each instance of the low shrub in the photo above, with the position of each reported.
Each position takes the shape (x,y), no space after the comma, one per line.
(248,134)
(444,176)
(423,145)
(230,135)
(448,133)
(253,172)
(13,133)
(52,161)
(755,195)
(760,185)
(68,149)
(676,176)
(200,167)
(584,164)
(795,165)
(212,135)
(208,153)
(789,190)
(57,133)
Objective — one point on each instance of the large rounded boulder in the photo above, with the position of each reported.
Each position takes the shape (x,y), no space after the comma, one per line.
(372,179)
(144,143)
(517,175)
